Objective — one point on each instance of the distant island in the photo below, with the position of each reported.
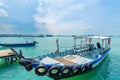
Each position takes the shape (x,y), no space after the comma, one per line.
(21,35)
(47,35)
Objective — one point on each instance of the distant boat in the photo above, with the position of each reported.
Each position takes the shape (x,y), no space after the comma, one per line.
(83,58)
(27,44)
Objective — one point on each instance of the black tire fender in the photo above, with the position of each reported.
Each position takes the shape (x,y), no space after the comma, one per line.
(89,66)
(13,59)
(65,71)
(55,69)
(76,69)
(82,68)
(41,70)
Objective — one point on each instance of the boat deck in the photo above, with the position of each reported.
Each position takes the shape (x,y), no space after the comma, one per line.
(66,60)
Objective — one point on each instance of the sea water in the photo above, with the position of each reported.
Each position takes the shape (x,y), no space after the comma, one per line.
(109,70)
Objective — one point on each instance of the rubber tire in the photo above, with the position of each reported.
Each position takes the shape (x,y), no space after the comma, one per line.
(82,68)
(74,68)
(89,66)
(54,68)
(13,59)
(64,68)
(39,73)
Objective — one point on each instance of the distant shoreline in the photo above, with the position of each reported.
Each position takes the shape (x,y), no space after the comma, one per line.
(20,35)
(48,35)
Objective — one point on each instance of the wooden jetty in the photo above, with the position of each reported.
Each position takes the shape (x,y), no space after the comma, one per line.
(9,56)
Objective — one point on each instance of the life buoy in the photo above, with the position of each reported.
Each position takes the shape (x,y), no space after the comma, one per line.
(89,66)
(65,71)
(41,70)
(13,59)
(82,68)
(54,71)
(75,69)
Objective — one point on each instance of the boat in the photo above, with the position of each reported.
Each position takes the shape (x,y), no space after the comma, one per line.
(27,44)
(83,58)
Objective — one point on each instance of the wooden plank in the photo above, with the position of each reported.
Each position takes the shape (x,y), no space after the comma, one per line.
(5,53)
(70,57)
(64,61)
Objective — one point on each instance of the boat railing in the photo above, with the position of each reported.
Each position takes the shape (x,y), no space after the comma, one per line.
(67,46)
(82,49)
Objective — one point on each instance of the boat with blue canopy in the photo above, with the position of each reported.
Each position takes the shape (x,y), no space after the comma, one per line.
(26,44)
(83,58)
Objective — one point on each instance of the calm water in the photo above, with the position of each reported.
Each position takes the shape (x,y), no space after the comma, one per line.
(110,70)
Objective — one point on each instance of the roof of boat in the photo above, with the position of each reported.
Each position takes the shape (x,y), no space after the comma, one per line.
(99,37)
(94,37)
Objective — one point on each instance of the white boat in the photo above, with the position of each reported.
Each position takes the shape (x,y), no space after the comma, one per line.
(83,58)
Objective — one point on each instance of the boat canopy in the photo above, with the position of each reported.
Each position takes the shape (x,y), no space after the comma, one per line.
(89,40)
(93,37)
(99,37)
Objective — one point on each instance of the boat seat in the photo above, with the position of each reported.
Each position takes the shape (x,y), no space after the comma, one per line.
(70,57)
(49,60)
(64,61)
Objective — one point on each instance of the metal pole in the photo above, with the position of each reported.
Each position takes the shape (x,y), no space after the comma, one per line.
(57,43)
(74,43)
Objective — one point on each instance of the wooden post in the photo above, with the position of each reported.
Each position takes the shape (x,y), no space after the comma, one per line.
(57,43)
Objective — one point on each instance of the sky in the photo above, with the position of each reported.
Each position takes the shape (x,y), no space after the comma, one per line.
(66,17)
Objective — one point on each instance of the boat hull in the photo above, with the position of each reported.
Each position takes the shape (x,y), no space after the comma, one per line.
(18,45)
(95,64)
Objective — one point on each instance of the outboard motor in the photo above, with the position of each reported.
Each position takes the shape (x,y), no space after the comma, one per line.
(35,42)
(27,63)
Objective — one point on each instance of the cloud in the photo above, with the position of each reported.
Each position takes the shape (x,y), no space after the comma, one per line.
(7,28)
(61,16)
(3,13)
(1,4)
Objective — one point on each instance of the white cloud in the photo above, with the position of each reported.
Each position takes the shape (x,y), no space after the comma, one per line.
(7,28)
(1,4)
(61,16)
(3,13)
